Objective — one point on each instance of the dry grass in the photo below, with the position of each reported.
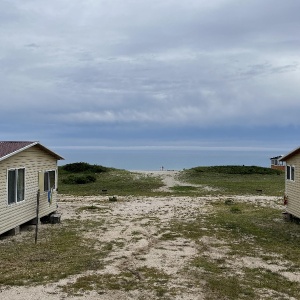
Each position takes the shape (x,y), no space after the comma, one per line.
(212,247)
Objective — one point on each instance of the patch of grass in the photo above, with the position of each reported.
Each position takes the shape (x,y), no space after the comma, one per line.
(136,232)
(60,252)
(144,278)
(169,236)
(262,224)
(183,188)
(260,278)
(92,208)
(247,231)
(208,266)
(113,181)
(239,170)
(85,225)
(113,199)
(220,283)
(79,179)
(223,283)
(219,179)
(228,287)
(235,209)
(239,180)
(265,225)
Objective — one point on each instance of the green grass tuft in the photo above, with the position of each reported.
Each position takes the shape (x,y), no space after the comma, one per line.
(60,252)
(236,180)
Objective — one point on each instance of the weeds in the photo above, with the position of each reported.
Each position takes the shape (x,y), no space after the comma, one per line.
(238,180)
(245,231)
(231,232)
(113,182)
(144,278)
(60,252)
(219,179)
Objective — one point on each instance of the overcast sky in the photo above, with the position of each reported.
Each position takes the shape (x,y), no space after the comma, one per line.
(123,73)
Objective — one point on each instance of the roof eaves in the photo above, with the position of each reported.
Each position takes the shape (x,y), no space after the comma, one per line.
(288,155)
(50,152)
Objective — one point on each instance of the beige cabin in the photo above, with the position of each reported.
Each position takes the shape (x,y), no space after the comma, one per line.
(25,169)
(292,182)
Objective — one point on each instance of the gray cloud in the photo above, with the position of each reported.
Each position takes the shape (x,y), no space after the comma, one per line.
(165,64)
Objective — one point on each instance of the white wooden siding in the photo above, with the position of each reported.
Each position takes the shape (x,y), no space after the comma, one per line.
(292,188)
(34,160)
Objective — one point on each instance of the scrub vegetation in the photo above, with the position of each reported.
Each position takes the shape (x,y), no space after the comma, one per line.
(241,232)
(142,243)
(85,179)
(94,180)
(61,251)
(237,180)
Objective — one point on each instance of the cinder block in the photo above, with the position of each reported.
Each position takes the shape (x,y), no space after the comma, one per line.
(14,231)
(55,218)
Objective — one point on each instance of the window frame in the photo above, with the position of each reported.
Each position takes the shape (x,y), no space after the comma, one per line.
(47,184)
(290,172)
(16,188)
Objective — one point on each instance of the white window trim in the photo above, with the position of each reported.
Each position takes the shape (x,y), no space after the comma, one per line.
(15,202)
(290,167)
(55,171)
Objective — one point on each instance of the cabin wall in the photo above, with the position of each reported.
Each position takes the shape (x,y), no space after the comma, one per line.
(34,160)
(277,167)
(292,188)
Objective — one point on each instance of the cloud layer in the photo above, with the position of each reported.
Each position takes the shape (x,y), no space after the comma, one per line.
(99,70)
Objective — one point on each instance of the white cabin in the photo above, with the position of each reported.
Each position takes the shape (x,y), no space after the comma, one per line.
(25,169)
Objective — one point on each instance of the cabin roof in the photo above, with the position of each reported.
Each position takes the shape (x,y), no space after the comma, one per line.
(276,157)
(10,148)
(290,154)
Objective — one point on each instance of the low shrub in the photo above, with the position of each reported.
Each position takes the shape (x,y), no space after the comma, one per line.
(82,167)
(113,199)
(79,179)
(241,170)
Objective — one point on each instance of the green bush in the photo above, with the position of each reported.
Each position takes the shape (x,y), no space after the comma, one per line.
(82,167)
(241,170)
(79,179)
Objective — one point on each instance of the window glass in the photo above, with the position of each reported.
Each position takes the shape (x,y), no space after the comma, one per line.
(49,180)
(292,173)
(52,179)
(20,185)
(11,186)
(288,172)
(16,185)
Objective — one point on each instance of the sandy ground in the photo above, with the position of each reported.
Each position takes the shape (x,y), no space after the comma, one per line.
(146,218)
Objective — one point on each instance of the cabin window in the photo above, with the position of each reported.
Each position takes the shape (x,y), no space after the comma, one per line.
(49,180)
(290,173)
(16,185)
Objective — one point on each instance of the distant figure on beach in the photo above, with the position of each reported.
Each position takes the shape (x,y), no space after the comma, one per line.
(162,168)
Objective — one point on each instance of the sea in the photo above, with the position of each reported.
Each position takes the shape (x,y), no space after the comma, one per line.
(168,159)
